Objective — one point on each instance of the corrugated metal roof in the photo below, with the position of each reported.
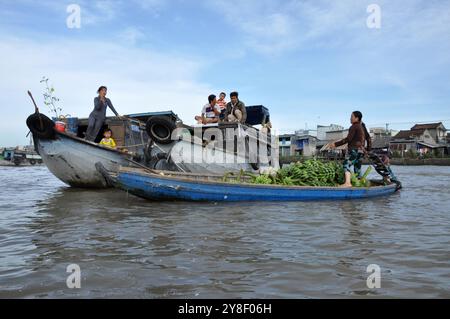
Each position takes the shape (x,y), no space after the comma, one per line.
(409,134)
(426,126)
(339,148)
(431,145)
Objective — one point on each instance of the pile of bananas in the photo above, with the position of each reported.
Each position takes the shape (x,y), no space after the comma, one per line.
(363,182)
(307,173)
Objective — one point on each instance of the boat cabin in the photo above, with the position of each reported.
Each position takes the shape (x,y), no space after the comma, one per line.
(149,136)
(129,133)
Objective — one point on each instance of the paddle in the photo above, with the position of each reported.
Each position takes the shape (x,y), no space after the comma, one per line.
(142,166)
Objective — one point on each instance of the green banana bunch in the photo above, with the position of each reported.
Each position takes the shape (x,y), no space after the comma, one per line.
(308,173)
(311,173)
(363,182)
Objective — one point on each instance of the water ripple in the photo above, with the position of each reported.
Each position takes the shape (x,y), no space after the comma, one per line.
(129,247)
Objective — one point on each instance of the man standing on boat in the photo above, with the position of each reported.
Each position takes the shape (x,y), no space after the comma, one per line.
(235,111)
(98,115)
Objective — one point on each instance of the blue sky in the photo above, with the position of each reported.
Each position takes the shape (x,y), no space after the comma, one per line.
(311,62)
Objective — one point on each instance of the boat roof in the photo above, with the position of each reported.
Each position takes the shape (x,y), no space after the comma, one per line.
(146,115)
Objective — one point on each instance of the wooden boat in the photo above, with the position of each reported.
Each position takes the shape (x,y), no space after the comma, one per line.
(146,138)
(72,159)
(165,185)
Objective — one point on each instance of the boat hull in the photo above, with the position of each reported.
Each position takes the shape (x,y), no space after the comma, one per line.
(195,158)
(73,161)
(155,187)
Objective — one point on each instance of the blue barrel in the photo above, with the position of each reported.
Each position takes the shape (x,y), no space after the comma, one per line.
(72,125)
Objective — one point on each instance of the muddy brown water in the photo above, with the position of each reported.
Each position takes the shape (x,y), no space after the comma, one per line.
(132,248)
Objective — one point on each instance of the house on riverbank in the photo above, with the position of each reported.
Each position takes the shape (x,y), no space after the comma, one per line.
(332,136)
(284,142)
(436,130)
(422,139)
(299,144)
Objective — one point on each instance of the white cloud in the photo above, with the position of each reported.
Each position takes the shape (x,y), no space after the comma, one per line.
(101,11)
(131,35)
(264,27)
(92,11)
(150,4)
(274,27)
(138,80)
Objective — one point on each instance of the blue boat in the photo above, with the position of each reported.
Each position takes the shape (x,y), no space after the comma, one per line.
(159,185)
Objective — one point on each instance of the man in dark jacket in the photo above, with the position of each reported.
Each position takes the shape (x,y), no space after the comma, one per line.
(235,111)
(98,115)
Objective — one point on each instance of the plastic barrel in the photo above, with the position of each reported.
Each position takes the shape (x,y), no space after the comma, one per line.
(72,125)
(60,126)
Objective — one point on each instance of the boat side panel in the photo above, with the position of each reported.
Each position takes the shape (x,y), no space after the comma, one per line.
(74,163)
(153,187)
(195,158)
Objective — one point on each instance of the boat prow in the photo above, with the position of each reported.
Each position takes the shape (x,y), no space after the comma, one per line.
(73,159)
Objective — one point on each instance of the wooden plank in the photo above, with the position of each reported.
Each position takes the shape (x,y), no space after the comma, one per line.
(118,133)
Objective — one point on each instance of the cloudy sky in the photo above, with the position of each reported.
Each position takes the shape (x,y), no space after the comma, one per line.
(311,61)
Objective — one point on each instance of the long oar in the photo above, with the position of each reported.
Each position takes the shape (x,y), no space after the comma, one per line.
(142,166)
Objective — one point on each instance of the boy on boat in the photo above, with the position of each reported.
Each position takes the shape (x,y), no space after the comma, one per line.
(223,105)
(210,112)
(356,140)
(221,102)
(107,140)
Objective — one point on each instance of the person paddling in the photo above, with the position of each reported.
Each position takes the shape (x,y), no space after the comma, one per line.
(356,140)
(98,115)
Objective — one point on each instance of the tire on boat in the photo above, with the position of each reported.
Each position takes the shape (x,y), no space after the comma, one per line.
(160,129)
(153,164)
(148,152)
(41,126)
(33,162)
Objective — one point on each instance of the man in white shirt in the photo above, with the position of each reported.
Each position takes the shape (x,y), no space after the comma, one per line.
(210,112)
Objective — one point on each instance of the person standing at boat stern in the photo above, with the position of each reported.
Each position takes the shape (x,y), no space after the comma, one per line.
(357,148)
(98,115)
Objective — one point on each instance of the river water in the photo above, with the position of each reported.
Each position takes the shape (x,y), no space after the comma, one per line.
(132,248)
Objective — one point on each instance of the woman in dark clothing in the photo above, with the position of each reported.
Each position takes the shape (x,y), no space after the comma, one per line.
(356,140)
(98,115)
